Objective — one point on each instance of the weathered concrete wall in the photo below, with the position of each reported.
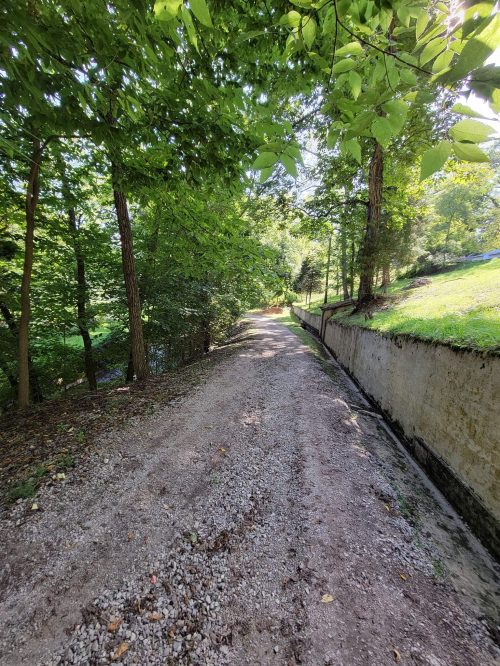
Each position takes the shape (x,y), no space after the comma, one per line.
(312,321)
(446,404)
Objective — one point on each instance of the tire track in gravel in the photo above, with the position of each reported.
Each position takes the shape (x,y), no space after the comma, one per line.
(219,523)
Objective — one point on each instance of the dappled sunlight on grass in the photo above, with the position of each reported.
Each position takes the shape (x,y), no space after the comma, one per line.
(459,307)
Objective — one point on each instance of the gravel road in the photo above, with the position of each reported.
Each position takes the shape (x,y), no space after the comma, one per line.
(265,518)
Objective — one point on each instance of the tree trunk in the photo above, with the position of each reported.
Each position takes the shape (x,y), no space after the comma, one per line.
(447,240)
(32,195)
(35,390)
(352,267)
(81,303)
(327,280)
(386,277)
(129,376)
(129,273)
(370,241)
(343,262)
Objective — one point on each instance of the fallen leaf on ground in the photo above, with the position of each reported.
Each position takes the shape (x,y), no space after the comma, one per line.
(121,649)
(154,579)
(154,617)
(387,507)
(222,449)
(34,506)
(397,655)
(326,599)
(403,576)
(114,624)
(130,536)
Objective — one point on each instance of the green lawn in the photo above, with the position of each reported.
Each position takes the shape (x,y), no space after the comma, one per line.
(317,300)
(99,334)
(461,306)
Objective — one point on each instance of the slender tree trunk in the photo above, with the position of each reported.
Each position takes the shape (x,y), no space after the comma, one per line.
(343,262)
(81,302)
(35,389)
(386,277)
(352,267)
(447,240)
(129,273)
(327,280)
(370,241)
(32,195)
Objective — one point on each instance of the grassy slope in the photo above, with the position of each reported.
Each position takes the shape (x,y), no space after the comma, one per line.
(98,334)
(460,307)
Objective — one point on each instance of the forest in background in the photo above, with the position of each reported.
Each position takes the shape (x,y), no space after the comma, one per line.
(166,167)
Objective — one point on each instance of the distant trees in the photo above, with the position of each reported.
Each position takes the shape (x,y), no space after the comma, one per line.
(309,278)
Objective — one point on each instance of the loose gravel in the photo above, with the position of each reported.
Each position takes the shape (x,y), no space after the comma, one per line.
(264,519)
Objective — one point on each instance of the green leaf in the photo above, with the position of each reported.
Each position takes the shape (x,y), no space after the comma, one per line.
(332,137)
(442,61)
(352,146)
(201,11)
(465,110)
(308,30)
(305,4)
(471,130)
(265,160)
(469,152)
(396,110)
(404,15)
(434,159)
(289,164)
(251,34)
(382,131)
(265,173)
(476,50)
(495,100)
(408,77)
(343,66)
(432,49)
(353,48)
(422,22)
(292,19)
(355,83)
(191,30)
(166,10)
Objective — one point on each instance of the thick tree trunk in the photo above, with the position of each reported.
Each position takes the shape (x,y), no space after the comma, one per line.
(129,273)
(81,303)
(32,195)
(370,242)
(129,375)
(328,260)
(343,263)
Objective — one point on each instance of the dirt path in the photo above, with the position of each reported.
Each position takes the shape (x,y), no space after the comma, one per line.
(211,531)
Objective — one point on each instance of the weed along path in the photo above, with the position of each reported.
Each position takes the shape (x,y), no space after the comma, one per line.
(264,518)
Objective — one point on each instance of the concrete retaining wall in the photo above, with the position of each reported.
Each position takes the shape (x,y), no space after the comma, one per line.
(444,401)
(311,321)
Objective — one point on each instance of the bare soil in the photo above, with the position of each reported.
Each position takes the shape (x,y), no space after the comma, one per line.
(262,516)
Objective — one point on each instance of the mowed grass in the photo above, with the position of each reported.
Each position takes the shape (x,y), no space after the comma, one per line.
(98,334)
(460,307)
(317,300)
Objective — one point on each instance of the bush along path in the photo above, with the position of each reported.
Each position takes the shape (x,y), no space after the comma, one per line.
(263,518)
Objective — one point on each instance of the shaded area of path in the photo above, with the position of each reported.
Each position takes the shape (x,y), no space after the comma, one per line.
(264,519)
